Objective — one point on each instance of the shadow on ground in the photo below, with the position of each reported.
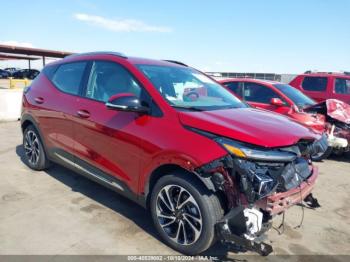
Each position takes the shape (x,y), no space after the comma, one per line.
(113,201)
(345,157)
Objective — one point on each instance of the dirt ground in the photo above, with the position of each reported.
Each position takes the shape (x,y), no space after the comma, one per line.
(60,212)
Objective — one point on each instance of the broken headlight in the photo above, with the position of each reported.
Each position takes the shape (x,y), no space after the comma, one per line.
(263,171)
(257,180)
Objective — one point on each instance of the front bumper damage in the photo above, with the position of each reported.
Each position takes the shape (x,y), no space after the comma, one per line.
(244,230)
(232,229)
(279,202)
(249,209)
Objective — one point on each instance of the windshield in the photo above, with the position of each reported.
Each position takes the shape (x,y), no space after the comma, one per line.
(295,95)
(186,88)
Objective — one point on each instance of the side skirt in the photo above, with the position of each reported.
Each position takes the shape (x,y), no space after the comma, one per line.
(85,169)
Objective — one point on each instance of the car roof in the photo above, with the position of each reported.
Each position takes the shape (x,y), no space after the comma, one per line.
(147,61)
(326,74)
(132,60)
(253,80)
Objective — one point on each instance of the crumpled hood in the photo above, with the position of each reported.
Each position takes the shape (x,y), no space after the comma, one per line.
(336,109)
(249,125)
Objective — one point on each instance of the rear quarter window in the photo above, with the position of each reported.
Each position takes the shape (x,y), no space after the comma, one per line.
(49,71)
(67,77)
(317,84)
(342,86)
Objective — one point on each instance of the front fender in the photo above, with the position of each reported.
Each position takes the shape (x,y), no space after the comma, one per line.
(172,158)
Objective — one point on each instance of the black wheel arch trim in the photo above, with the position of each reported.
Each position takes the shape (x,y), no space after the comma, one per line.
(205,180)
(29,118)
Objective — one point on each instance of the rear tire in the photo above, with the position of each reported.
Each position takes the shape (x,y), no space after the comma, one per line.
(187,223)
(34,153)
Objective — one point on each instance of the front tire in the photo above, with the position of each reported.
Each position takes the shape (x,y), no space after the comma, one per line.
(324,155)
(184,213)
(34,153)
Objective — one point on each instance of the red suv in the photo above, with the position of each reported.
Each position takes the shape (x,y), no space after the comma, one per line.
(321,86)
(206,166)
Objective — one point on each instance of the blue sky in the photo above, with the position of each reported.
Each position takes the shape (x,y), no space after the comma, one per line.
(239,36)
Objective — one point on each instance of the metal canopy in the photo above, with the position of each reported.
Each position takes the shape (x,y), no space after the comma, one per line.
(15,51)
(17,57)
(33,51)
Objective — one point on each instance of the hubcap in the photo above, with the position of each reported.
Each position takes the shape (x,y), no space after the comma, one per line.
(179,215)
(31,147)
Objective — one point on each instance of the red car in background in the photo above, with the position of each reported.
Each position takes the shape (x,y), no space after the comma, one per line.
(322,85)
(284,99)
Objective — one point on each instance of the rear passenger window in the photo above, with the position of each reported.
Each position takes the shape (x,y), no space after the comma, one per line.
(342,86)
(234,87)
(68,77)
(317,84)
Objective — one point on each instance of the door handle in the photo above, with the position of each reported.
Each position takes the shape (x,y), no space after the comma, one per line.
(39,100)
(83,114)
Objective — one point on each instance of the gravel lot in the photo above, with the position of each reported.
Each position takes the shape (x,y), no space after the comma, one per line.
(60,212)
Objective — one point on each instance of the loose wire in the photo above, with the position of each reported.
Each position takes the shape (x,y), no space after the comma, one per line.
(302,208)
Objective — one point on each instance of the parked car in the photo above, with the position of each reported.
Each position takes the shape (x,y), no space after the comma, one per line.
(208,168)
(321,85)
(4,74)
(337,115)
(26,73)
(286,100)
(12,69)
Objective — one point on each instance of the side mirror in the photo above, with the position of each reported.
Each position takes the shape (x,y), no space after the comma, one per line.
(126,102)
(277,102)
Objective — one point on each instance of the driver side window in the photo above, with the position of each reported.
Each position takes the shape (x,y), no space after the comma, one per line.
(107,79)
(258,93)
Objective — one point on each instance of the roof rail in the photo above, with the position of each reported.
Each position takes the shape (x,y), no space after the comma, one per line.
(317,72)
(99,53)
(175,62)
(323,72)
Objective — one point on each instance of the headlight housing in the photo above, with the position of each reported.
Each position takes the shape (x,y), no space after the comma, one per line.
(243,150)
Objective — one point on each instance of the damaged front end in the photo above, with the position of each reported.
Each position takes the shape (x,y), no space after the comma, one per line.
(337,114)
(259,183)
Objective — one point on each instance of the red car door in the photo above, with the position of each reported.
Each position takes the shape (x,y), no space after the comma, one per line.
(260,96)
(57,103)
(107,141)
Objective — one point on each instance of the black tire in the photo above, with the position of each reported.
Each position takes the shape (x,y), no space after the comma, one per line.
(40,162)
(325,155)
(209,206)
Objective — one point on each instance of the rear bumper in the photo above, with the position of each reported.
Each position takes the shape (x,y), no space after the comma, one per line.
(279,202)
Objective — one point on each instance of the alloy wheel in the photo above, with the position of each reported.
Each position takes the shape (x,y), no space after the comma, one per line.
(179,215)
(31,147)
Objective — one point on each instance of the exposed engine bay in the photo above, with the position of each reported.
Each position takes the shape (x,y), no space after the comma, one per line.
(259,184)
(337,114)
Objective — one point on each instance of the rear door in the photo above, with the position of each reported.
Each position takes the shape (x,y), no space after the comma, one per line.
(316,87)
(55,96)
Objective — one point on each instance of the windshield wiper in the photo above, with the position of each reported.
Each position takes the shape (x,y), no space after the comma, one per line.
(192,108)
